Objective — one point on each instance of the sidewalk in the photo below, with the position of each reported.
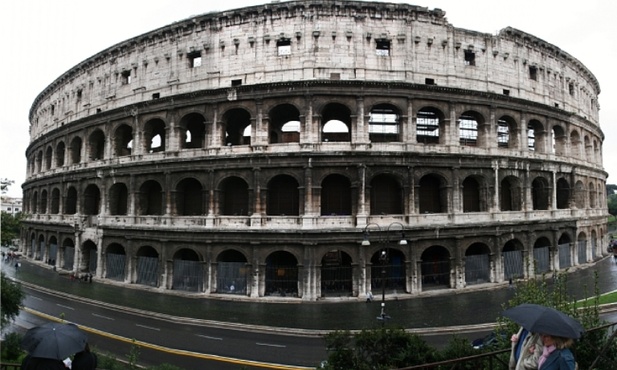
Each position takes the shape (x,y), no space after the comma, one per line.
(479,305)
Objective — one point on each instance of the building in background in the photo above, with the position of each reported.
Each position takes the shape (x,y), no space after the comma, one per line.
(311,149)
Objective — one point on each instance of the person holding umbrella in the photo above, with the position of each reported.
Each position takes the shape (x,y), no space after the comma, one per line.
(556,329)
(49,344)
(556,354)
(526,350)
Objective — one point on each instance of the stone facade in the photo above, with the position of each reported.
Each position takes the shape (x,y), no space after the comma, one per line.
(309,149)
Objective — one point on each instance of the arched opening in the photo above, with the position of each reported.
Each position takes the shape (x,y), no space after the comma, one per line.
(237,127)
(336,274)
(283,196)
(48,157)
(55,201)
(506,132)
(335,123)
(429,124)
(512,255)
(284,124)
(188,271)
(435,268)
(388,271)
(564,247)
(234,197)
(115,263)
(540,193)
(88,257)
(68,250)
(189,198)
(469,127)
(147,266)
(43,201)
(75,150)
(563,194)
(96,145)
(477,264)
(151,199)
(70,202)
(123,140)
(384,124)
(281,275)
(193,131)
(60,150)
(510,197)
(92,200)
(386,196)
(232,273)
(118,199)
(336,196)
(154,136)
(541,255)
(432,195)
(472,200)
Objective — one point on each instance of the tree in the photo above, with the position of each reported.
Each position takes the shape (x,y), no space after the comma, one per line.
(11,297)
(612,204)
(4,185)
(10,228)
(383,348)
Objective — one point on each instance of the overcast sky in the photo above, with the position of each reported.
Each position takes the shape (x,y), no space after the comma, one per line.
(42,39)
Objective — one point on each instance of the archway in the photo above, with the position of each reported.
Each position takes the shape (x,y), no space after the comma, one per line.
(477,264)
(435,268)
(115,262)
(281,274)
(188,271)
(147,266)
(232,273)
(513,260)
(336,274)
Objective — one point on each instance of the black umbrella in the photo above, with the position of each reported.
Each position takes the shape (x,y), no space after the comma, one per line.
(54,340)
(545,320)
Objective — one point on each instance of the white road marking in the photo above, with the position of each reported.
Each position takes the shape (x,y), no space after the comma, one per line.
(208,337)
(148,327)
(103,317)
(271,345)
(67,307)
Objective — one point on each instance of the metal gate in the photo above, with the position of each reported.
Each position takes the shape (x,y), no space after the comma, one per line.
(477,269)
(148,271)
(231,277)
(565,259)
(513,264)
(541,258)
(188,275)
(115,266)
(69,258)
(582,251)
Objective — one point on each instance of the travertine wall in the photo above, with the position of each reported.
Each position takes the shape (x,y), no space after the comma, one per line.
(324,40)
(489,155)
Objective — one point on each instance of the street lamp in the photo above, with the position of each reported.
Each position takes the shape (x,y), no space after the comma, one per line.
(384,241)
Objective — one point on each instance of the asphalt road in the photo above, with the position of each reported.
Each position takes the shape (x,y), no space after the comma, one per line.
(194,343)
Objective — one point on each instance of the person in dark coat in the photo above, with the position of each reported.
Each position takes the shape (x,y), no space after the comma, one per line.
(84,360)
(36,363)
(556,354)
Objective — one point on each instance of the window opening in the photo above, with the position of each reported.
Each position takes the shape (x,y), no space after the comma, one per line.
(194,59)
(427,127)
(571,89)
(470,58)
(156,95)
(126,77)
(506,92)
(468,130)
(533,73)
(383,48)
(429,81)
(284,47)
(531,138)
(236,82)
(383,125)
(503,133)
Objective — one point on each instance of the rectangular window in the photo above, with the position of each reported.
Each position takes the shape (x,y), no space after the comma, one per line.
(383,48)
(284,47)
(429,81)
(236,82)
(506,92)
(194,59)
(470,58)
(533,73)
(571,89)
(126,77)
(156,95)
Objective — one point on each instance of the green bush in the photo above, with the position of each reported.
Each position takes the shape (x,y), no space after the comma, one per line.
(11,348)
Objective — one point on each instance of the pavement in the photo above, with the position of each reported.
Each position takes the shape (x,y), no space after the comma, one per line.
(437,310)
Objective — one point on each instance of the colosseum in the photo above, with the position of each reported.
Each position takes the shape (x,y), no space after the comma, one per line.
(317,150)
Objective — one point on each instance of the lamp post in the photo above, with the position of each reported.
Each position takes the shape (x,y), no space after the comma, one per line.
(384,241)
